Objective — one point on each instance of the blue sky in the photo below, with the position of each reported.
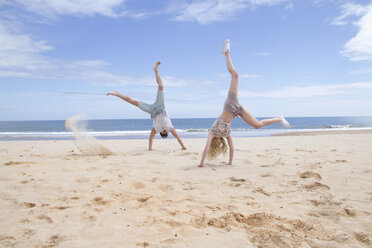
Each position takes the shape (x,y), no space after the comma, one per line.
(295,58)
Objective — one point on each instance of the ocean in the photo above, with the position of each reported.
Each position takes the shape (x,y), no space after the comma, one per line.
(186,127)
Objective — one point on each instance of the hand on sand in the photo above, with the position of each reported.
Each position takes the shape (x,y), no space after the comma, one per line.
(184,148)
(113,93)
(157,65)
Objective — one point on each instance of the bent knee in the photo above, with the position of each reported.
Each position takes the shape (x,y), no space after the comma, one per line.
(257,125)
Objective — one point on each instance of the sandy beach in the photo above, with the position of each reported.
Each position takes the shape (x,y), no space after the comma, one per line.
(289,191)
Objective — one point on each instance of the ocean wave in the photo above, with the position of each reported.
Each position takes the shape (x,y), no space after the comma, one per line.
(338,126)
(70,134)
(141,134)
(194,130)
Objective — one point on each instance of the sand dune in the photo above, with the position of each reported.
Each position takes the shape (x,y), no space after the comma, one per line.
(312,191)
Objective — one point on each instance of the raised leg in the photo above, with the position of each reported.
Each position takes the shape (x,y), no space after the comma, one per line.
(234,74)
(251,120)
(125,98)
(158,78)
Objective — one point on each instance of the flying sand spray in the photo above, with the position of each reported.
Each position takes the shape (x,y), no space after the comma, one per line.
(87,145)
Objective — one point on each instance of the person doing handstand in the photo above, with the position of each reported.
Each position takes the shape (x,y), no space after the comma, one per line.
(161,122)
(221,128)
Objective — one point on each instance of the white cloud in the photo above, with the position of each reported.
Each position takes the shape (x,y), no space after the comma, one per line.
(21,56)
(88,64)
(349,10)
(248,76)
(21,51)
(53,8)
(17,12)
(361,71)
(308,91)
(359,47)
(208,11)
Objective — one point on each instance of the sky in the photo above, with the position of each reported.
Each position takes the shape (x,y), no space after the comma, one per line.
(59,58)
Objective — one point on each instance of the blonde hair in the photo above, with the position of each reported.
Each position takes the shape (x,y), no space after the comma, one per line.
(217,148)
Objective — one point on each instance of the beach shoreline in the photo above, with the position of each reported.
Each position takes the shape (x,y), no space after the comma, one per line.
(281,191)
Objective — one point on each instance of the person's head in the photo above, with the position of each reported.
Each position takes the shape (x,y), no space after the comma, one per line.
(164,134)
(218,146)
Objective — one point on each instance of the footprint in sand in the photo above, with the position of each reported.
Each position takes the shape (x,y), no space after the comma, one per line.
(308,174)
(187,153)
(188,186)
(233,179)
(270,161)
(338,161)
(362,237)
(27,233)
(89,218)
(144,199)
(350,212)
(8,241)
(316,185)
(28,204)
(266,175)
(83,180)
(100,201)
(166,187)
(46,218)
(61,207)
(142,244)
(138,185)
(262,191)
(53,241)
(235,184)
(10,163)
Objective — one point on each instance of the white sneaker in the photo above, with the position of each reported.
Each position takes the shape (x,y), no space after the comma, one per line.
(284,122)
(226,47)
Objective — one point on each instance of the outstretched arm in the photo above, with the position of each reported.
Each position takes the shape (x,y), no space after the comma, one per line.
(158,78)
(231,153)
(152,135)
(175,134)
(206,149)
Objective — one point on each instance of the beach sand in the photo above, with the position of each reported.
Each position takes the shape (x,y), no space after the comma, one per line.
(289,191)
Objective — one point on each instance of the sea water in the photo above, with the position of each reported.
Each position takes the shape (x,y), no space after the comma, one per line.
(186,127)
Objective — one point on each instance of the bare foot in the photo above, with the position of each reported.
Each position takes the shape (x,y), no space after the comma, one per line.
(200,165)
(157,65)
(113,93)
